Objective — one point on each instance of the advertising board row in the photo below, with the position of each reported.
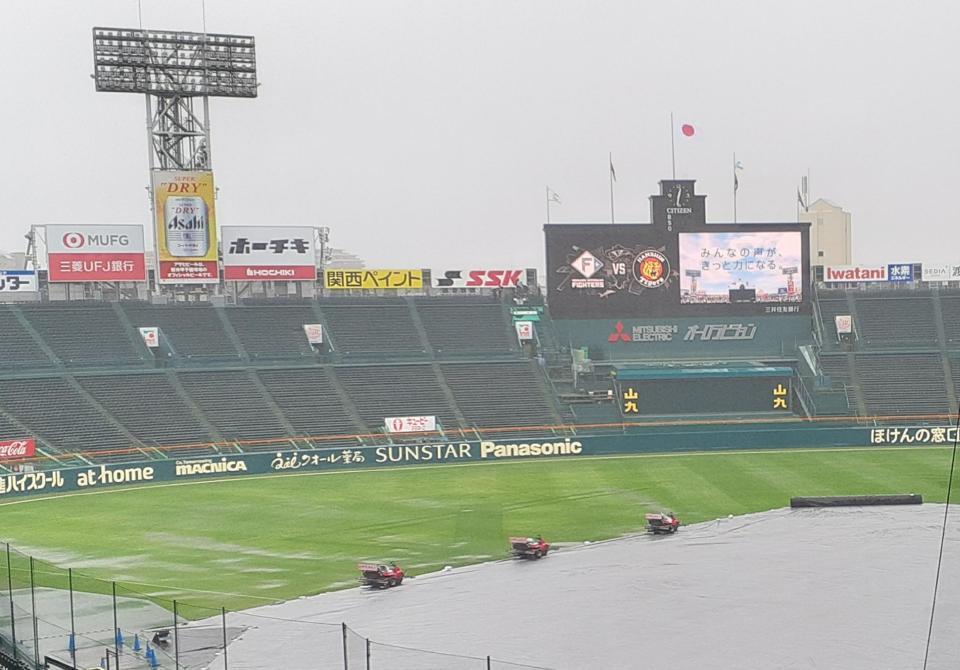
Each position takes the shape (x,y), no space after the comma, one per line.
(890,272)
(187,254)
(773,436)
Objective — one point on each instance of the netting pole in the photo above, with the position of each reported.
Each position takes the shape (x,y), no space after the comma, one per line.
(488,662)
(223,613)
(116,625)
(73,626)
(176,639)
(13,617)
(33,605)
(346,663)
(368,653)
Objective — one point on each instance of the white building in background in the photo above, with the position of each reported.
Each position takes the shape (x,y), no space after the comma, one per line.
(831,241)
(11,261)
(340,259)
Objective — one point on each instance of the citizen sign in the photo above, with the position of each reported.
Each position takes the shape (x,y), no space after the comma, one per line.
(25,448)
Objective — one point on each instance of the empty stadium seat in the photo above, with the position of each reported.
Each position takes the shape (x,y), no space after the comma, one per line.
(897,384)
(233,404)
(56,412)
(373,328)
(499,394)
(273,333)
(380,391)
(88,335)
(951,318)
(309,402)
(18,349)
(195,331)
(149,407)
(894,321)
(464,328)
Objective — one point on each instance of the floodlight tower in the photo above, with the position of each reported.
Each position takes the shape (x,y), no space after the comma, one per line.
(173,69)
(178,73)
(791,284)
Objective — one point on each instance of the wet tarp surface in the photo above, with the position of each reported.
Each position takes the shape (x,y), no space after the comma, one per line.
(846,588)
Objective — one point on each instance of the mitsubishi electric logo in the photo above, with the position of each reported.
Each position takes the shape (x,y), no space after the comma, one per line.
(618,335)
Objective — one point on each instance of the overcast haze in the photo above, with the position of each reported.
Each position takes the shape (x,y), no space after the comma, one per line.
(423,133)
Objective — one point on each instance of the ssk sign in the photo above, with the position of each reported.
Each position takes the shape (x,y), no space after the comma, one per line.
(95,253)
(258,253)
(14,449)
(477,278)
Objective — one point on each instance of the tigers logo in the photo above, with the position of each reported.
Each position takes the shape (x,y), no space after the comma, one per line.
(651,269)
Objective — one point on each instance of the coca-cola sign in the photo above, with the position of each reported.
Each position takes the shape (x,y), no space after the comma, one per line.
(12,449)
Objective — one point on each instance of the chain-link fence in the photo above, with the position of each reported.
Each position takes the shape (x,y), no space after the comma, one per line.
(79,621)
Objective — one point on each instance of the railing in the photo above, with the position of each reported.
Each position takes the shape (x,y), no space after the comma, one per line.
(75,619)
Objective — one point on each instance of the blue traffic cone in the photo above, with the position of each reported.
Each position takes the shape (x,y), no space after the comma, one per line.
(71,643)
(119,638)
(136,643)
(154,663)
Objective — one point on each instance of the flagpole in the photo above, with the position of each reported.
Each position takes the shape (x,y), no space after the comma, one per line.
(734,186)
(612,218)
(673,153)
(548,204)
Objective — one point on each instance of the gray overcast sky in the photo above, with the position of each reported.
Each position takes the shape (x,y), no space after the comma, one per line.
(423,132)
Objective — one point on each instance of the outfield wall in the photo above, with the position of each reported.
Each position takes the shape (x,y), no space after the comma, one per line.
(666,439)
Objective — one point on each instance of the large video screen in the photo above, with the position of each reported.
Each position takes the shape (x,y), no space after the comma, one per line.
(741,267)
(599,271)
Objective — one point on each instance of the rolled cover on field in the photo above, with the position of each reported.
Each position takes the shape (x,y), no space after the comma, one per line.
(857,501)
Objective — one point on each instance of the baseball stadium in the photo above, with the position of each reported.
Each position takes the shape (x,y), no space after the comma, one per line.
(679,444)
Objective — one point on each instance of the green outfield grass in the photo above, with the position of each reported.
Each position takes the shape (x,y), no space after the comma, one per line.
(275,538)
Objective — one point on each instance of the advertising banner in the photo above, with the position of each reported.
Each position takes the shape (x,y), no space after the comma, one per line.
(723,268)
(690,438)
(939,273)
(477,278)
(890,272)
(524,330)
(640,271)
(275,253)
(854,273)
(900,272)
(186,227)
(373,279)
(14,449)
(314,332)
(18,281)
(85,253)
(410,424)
(151,336)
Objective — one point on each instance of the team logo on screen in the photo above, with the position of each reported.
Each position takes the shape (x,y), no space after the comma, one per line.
(615,269)
(651,269)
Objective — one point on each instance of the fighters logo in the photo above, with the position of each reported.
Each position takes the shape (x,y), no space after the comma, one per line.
(651,269)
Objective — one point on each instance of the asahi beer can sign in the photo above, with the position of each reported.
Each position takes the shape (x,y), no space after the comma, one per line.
(186,227)
(187,224)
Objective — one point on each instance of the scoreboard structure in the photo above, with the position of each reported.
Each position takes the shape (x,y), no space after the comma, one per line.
(678,265)
(660,391)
